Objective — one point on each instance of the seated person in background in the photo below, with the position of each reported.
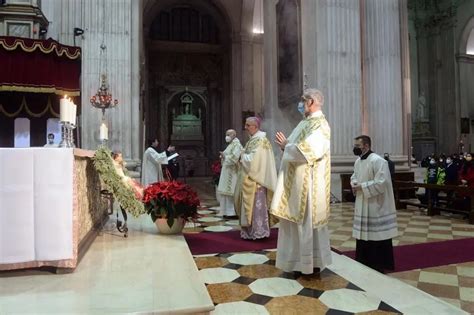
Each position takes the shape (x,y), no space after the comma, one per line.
(50,143)
(119,165)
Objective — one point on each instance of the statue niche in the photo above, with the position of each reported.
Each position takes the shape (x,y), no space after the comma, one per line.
(186,120)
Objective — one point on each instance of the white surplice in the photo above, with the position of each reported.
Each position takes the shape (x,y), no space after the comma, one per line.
(151,166)
(375,215)
(301,199)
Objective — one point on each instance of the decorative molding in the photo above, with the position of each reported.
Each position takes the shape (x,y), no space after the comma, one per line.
(464,58)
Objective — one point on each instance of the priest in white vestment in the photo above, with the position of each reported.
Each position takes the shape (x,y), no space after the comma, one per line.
(256,183)
(375,215)
(151,164)
(229,172)
(302,195)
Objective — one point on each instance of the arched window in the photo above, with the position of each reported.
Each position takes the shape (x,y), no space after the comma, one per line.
(22,133)
(184,24)
(53,126)
(470,43)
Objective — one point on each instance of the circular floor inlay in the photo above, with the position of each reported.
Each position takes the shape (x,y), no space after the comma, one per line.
(218,228)
(232,222)
(205,212)
(192,224)
(209,219)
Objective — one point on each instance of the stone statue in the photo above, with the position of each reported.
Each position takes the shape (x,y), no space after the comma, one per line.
(421,108)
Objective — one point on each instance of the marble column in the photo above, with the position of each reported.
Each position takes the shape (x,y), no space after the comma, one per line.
(331,55)
(382,82)
(236,89)
(117,24)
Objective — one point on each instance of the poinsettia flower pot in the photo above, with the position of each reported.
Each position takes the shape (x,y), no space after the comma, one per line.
(164,228)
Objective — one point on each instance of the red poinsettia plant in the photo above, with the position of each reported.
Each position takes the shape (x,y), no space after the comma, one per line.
(216,168)
(170,200)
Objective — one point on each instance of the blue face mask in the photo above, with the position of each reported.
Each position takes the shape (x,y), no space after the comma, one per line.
(301,107)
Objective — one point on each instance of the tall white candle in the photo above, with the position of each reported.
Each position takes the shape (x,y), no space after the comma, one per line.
(103,132)
(73,113)
(64,109)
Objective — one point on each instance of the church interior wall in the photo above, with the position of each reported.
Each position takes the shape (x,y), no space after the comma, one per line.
(442,71)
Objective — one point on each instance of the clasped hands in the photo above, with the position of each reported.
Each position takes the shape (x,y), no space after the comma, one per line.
(281,140)
(171,148)
(355,187)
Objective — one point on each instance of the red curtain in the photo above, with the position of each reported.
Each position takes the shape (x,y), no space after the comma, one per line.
(39,66)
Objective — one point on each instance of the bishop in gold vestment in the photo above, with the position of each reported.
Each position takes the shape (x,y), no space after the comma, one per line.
(302,196)
(256,183)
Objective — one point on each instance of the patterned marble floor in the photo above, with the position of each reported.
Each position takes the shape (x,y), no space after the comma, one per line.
(250,283)
(454,283)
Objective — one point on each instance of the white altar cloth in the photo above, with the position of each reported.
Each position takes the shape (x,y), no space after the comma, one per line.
(36,204)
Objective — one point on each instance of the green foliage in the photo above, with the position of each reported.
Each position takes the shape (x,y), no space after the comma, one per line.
(124,194)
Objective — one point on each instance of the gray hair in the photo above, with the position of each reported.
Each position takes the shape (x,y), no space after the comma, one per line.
(255,120)
(314,94)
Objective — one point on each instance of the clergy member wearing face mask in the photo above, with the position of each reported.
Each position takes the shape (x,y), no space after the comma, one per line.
(256,183)
(375,217)
(302,195)
(229,172)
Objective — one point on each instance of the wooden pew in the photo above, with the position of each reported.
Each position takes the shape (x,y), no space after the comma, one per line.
(400,186)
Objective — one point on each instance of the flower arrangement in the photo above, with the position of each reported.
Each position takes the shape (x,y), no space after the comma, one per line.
(170,200)
(216,168)
(125,195)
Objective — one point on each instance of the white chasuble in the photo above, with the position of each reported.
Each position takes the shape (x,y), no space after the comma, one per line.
(257,168)
(305,173)
(229,171)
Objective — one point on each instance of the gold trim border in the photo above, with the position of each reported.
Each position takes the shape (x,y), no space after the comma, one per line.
(55,47)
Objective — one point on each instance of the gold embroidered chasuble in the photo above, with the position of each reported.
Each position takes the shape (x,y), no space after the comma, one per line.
(305,169)
(257,169)
(229,171)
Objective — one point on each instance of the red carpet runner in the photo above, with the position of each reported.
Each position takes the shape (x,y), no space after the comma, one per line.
(407,257)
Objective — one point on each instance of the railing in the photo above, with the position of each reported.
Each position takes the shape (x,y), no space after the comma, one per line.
(433,209)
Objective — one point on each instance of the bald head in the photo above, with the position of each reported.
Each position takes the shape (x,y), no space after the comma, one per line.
(231,133)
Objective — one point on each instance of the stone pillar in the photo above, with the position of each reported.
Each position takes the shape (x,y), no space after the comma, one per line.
(382,84)
(118,25)
(406,81)
(331,62)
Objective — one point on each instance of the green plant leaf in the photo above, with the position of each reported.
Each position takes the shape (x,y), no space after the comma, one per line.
(170,221)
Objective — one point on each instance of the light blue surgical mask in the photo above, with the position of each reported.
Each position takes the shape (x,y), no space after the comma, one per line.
(301,107)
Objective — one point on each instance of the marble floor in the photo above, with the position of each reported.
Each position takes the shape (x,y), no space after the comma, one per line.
(121,275)
(415,227)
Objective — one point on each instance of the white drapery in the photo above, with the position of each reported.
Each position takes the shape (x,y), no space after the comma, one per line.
(36,204)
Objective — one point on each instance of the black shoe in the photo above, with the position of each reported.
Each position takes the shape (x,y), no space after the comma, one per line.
(297,274)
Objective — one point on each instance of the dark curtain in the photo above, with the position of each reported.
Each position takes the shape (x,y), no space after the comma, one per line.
(41,66)
(38,107)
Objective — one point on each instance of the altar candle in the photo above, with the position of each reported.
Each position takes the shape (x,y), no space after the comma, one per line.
(73,109)
(104,132)
(64,109)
